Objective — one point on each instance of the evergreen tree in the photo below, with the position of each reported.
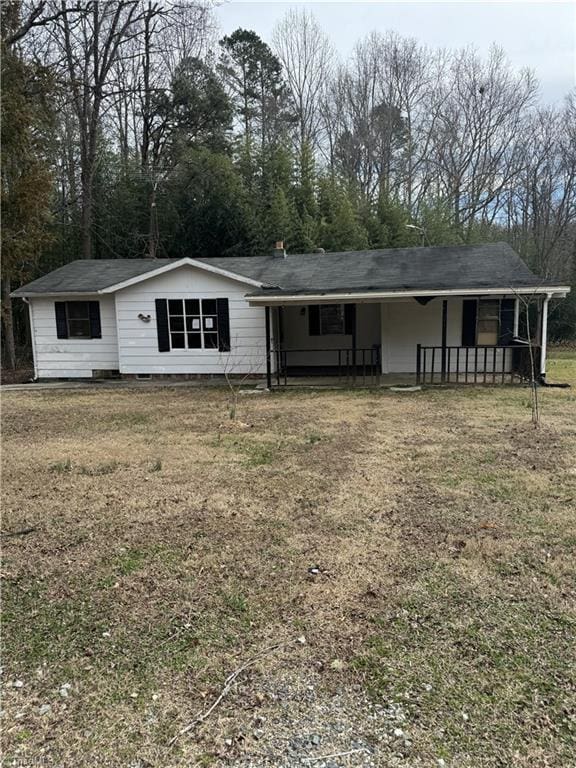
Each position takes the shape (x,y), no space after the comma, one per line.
(394,219)
(205,210)
(27,184)
(274,197)
(254,77)
(279,221)
(305,186)
(436,220)
(340,228)
(199,109)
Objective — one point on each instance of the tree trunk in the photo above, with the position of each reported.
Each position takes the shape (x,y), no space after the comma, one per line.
(87,182)
(153,225)
(86,216)
(8,322)
(146,110)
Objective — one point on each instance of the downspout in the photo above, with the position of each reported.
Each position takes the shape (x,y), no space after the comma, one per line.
(516,328)
(32,335)
(544,337)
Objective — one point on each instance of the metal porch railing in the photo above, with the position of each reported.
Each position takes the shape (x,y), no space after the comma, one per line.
(346,366)
(494,364)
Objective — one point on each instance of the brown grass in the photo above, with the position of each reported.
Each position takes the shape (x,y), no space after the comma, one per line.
(170,544)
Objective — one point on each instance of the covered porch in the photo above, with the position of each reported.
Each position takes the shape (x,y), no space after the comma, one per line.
(404,340)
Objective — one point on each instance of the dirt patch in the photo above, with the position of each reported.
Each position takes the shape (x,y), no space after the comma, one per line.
(541,449)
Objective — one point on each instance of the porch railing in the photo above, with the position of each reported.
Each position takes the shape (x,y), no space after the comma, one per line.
(352,367)
(493,364)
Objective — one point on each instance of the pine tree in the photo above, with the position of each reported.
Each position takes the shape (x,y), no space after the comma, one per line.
(254,77)
(340,227)
(279,224)
(392,219)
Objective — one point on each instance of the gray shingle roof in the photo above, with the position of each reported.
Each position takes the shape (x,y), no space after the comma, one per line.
(89,275)
(494,265)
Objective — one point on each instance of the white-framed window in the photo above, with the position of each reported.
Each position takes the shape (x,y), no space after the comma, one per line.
(488,322)
(193,323)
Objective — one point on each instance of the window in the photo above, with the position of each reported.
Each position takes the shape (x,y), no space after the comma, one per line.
(488,323)
(78,320)
(331,319)
(193,323)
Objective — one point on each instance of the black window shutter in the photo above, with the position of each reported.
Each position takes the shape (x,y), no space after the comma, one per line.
(61,320)
(350,319)
(223,325)
(314,320)
(506,335)
(162,325)
(94,315)
(469,315)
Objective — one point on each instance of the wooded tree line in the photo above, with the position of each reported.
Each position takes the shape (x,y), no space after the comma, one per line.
(131,128)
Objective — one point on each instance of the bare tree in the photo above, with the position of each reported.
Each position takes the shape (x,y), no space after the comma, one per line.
(371,129)
(381,113)
(477,142)
(542,206)
(308,59)
(91,43)
(190,33)
(34,15)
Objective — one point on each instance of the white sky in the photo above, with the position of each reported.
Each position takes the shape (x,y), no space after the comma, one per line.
(539,35)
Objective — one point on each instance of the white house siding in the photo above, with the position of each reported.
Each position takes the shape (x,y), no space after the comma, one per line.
(72,358)
(138,341)
(408,323)
(297,337)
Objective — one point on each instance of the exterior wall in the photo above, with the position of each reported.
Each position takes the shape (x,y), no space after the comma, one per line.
(408,323)
(138,341)
(296,335)
(56,358)
(130,345)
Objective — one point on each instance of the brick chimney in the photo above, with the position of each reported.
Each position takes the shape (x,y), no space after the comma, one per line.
(278,251)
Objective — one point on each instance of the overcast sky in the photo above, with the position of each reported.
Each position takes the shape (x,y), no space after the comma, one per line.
(539,35)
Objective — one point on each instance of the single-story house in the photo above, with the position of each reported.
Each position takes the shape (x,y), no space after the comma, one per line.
(449,313)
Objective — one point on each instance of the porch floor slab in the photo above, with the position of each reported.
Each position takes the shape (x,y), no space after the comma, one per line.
(385,380)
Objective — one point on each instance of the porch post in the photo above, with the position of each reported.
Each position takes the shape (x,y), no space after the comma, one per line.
(280,325)
(384,346)
(268,350)
(516,329)
(444,336)
(354,343)
(544,335)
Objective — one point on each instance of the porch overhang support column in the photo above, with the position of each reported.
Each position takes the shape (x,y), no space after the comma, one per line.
(444,338)
(354,345)
(544,335)
(268,348)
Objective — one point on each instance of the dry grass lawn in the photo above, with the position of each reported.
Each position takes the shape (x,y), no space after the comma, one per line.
(170,544)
